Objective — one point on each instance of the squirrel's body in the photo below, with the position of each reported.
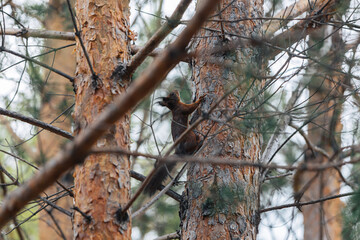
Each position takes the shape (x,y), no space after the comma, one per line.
(180,123)
(187,146)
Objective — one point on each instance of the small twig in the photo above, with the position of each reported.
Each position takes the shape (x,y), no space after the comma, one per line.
(344,179)
(37,123)
(88,218)
(174,195)
(70,36)
(306,203)
(38,209)
(232,161)
(309,143)
(39,33)
(55,119)
(32,165)
(3,49)
(61,232)
(60,209)
(160,34)
(277,176)
(157,196)
(77,34)
(15,181)
(169,236)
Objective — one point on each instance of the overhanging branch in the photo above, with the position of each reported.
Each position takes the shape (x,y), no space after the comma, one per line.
(75,152)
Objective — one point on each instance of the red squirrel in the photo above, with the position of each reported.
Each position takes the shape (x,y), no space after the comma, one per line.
(187,146)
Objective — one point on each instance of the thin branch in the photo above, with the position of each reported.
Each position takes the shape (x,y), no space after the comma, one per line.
(69,36)
(75,152)
(61,233)
(234,161)
(282,123)
(4,188)
(88,218)
(3,49)
(14,180)
(78,35)
(37,123)
(169,236)
(5,122)
(60,209)
(161,193)
(306,203)
(160,34)
(277,176)
(310,145)
(289,12)
(174,195)
(38,33)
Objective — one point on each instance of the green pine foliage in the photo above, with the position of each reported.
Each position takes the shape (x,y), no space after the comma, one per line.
(351,218)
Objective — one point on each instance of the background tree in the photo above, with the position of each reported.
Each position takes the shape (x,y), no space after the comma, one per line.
(57,100)
(221,202)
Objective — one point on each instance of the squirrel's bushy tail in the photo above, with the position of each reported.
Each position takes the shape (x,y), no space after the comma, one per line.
(160,175)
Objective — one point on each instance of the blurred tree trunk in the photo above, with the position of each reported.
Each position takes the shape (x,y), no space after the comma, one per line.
(221,201)
(326,91)
(102,183)
(56,95)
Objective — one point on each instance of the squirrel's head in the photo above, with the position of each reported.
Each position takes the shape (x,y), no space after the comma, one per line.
(171,100)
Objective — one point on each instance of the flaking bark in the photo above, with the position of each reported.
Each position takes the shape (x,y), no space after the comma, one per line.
(205,212)
(102,183)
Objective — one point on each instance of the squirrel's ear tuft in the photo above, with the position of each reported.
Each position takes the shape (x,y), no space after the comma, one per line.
(177,93)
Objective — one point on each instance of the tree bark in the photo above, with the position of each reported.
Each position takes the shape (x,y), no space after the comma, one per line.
(53,105)
(220,201)
(102,183)
(326,91)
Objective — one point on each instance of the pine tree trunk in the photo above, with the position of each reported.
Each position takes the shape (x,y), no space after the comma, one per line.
(102,183)
(52,106)
(222,201)
(323,220)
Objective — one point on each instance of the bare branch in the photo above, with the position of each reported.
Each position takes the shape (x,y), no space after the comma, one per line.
(38,33)
(291,11)
(160,34)
(236,162)
(3,49)
(60,209)
(282,123)
(162,192)
(174,195)
(169,236)
(75,152)
(37,123)
(70,36)
(309,143)
(306,203)
(78,35)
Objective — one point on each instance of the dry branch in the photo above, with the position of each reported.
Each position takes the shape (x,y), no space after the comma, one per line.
(70,36)
(38,33)
(3,49)
(299,204)
(75,152)
(169,236)
(170,193)
(37,123)
(291,11)
(235,162)
(160,34)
